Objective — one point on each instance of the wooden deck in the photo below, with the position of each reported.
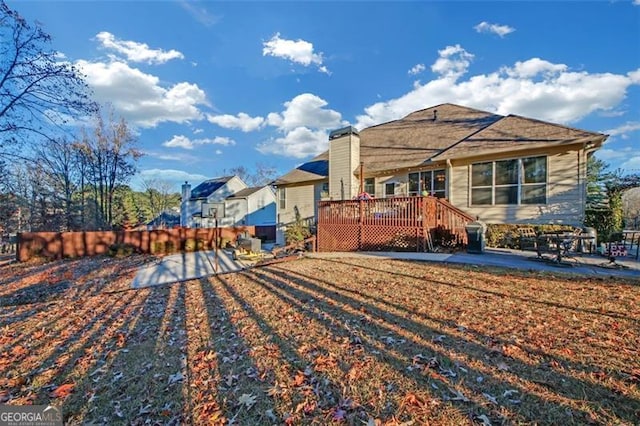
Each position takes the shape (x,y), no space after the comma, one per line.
(390,224)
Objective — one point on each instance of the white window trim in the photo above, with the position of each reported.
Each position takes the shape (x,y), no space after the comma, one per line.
(431,191)
(282,198)
(520,183)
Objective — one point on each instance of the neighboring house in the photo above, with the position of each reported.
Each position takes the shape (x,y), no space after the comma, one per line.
(252,206)
(168,219)
(502,169)
(229,201)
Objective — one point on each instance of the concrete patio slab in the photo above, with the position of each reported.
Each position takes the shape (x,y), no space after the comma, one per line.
(525,260)
(186,266)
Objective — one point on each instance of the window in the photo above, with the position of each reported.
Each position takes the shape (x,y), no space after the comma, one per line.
(389,189)
(283,198)
(370,186)
(534,182)
(432,182)
(324,190)
(508,182)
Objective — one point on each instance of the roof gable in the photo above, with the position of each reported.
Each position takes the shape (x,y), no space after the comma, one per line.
(244,193)
(421,135)
(208,187)
(315,169)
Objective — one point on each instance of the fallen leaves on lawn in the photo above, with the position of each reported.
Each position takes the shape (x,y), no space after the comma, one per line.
(314,342)
(247,400)
(62,391)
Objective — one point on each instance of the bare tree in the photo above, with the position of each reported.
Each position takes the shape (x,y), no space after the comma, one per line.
(160,196)
(38,90)
(110,156)
(262,174)
(59,163)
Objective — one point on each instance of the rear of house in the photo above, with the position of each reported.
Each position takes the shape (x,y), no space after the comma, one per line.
(500,169)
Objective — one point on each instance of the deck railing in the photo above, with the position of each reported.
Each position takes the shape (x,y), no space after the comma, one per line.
(401,223)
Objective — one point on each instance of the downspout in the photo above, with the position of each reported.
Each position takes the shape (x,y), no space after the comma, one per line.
(447,194)
(580,185)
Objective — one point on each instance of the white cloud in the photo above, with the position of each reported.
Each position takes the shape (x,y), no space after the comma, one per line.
(198,131)
(453,61)
(180,141)
(241,121)
(624,130)
(417,69)
(606,154)
(304,125)
(298,51)
(222,140)
(178,157)
(501,30)
(177,177)
(533,88)
(200,13)
(140,97)
(305,110)
(137,52)
(636,2)
(532,67)
(298,143)
(632,163)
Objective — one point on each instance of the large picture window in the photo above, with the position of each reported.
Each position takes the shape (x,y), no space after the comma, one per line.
(517,181)
(432,182)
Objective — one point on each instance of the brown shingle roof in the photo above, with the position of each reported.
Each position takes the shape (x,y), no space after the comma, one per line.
(448,131)
(243,193)
(414,139)
(514,133)
(315,169)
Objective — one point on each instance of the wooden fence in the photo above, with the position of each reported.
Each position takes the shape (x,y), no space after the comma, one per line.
(395,224)
(57,245)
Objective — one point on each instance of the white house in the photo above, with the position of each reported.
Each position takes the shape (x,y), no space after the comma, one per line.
(229,201)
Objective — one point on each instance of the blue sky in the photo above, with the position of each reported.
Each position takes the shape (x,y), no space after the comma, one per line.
(213,85)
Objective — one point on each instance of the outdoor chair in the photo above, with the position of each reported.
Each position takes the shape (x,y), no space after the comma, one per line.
(528,239)
(570,242)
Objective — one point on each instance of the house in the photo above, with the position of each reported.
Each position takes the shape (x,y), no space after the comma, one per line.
(167,219)
(501,169)
(229,202)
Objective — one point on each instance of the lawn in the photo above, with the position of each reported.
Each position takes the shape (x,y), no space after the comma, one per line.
(348,341)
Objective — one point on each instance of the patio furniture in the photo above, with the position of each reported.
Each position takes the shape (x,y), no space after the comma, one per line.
(527,239)
(631,238)
(560,243)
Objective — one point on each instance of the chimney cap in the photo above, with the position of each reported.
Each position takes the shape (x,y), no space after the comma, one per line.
(349,130)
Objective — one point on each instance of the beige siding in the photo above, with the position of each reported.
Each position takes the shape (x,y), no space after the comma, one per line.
(344,159)
(565,194)
(305,198)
